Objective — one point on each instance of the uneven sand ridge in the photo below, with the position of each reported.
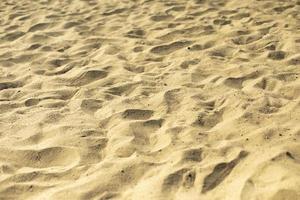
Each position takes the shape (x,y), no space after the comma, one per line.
(150,99)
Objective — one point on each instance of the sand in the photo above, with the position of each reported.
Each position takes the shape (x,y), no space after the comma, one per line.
(146,99)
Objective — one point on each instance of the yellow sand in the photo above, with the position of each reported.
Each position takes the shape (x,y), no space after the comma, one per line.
(150,99)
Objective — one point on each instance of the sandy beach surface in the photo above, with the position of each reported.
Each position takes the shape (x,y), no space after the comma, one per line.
(150,99)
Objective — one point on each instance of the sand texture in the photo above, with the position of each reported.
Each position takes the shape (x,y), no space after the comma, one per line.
(150,99)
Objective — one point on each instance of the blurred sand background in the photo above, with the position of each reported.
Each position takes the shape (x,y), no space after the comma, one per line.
(150,99)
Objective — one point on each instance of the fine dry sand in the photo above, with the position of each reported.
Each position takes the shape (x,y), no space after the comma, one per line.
(150,99)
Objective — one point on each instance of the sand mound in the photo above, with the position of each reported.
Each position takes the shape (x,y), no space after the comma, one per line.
(166,99)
